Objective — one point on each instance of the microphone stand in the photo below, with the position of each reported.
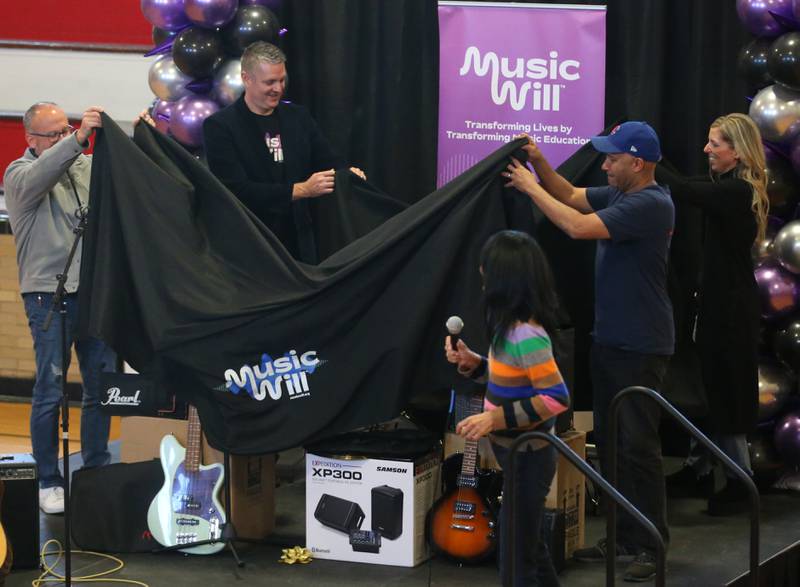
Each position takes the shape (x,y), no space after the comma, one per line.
(60,303)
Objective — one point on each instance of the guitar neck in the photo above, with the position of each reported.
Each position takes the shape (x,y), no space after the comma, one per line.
(193,441)
(470,459)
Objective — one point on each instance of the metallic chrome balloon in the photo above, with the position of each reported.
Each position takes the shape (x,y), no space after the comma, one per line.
(166,80)
(787,438)
(755,15)
(778,291)
(228,85)
(197,52)
(211,14)
(165,14)
(752,63)
(786,345)
(776,112)
(186,121)
(271,4)
(787,246)
(251,24)
(775,384)
(763,250)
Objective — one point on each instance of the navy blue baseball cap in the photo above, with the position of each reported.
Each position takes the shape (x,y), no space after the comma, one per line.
(636,138)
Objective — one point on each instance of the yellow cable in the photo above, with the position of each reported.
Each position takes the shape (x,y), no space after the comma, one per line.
(101,577)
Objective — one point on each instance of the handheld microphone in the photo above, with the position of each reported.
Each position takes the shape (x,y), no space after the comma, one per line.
(454,325)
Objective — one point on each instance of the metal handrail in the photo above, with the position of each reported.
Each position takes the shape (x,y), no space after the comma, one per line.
(588,471)
(700,437)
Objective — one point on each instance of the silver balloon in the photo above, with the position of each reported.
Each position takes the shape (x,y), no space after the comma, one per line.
(228,85)
(786,246)
(167,81)
(776,112)
(775,385)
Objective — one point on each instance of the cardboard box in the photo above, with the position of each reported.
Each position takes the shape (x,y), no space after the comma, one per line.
(252,477)
(568,493)
(381,502)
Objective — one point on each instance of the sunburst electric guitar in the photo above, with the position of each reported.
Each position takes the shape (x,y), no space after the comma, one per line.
(461,523)
(187,509)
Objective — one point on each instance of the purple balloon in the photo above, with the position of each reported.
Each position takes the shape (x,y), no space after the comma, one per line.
(755,14)
(787,438)
(271,4)
(165,14)
(211,14)
(162,113)
(186,121)
(778,291)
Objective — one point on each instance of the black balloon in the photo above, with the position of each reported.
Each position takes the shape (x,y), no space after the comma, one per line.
(752,64)
(764,458)
(251,24)
(160,36)
(782,189)
(197,52)
(783,62)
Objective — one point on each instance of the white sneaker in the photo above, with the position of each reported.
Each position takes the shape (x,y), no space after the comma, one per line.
(51,500)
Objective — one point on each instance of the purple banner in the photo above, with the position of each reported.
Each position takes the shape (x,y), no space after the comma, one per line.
(507,69)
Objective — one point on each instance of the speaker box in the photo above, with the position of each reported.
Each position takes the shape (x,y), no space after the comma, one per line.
(387,511)
(338,513)
(20,509)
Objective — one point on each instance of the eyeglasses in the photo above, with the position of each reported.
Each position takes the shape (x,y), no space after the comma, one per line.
(55,134)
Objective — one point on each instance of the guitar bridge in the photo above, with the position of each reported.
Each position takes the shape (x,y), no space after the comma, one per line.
(463,527)
(464,507)
(463,517)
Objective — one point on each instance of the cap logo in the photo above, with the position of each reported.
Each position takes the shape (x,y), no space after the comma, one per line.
(634,149)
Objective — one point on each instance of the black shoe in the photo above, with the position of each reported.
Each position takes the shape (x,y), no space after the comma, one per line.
(686,483)
(597,553)
(732,499)
(643,568)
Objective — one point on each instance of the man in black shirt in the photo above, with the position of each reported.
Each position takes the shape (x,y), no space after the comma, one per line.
(271,154)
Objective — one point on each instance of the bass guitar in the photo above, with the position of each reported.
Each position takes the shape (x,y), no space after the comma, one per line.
(186,509)
(461,523)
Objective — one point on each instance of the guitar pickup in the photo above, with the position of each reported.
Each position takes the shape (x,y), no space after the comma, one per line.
(467,481)
(463,527)
(464,507)
(187,522)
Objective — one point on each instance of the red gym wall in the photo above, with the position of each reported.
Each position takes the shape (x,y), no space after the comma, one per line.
(77,22)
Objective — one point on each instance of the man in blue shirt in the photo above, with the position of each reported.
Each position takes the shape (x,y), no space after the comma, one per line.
(632,220)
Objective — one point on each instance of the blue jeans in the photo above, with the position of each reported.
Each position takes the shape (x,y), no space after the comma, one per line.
(535,471)
(733,445)
(94,356)
(640,471)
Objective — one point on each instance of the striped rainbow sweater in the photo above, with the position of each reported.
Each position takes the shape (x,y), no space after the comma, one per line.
(525,389)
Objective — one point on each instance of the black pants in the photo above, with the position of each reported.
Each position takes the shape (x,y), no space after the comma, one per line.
(640,473)
(535,472)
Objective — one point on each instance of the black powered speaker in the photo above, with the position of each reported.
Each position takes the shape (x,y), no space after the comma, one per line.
(20,511)
(339,513)
(387,511)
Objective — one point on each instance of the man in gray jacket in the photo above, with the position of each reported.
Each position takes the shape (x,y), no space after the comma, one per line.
(46,191)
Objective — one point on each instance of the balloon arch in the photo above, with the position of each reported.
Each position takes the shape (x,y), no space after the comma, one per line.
(198,44)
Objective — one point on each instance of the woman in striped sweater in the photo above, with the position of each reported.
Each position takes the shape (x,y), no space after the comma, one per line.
(525,389)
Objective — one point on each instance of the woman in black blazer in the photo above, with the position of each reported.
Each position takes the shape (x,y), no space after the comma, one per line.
(734,203)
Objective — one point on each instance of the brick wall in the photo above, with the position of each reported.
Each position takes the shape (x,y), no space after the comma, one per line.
(16,346)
